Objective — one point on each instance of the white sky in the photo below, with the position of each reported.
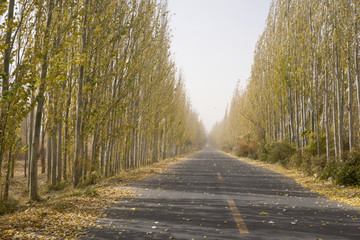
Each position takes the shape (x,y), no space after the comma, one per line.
(213,42)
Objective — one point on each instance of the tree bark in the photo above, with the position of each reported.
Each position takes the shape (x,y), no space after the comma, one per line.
(164,141)
(33,190)
(94,148)
(78,131)
(350,110)
(48,158)
(303,115)
(59,151)
(66,138)
(26,158)
(297,125)
(340,106)
(42,151)
(327,120)
(7,179)
(5,78)
(336,144)
(53,155)
(356,65)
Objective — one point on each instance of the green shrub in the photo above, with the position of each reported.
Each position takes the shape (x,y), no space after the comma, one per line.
(306,160)
(329,171)
(306,164)
(254,156)
(296,160)
(227,147)
(312,148)
(280,152)
(274,152)
(264,148)
(318,164)
(348,174)
(344,173)
(245,147)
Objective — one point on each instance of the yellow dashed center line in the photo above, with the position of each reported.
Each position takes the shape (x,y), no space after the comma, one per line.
(238,219)
(219,176)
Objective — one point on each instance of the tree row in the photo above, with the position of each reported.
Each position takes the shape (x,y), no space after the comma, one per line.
(89,88)
(305,80)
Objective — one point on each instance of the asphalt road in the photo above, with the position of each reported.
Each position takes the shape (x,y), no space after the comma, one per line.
(213,196)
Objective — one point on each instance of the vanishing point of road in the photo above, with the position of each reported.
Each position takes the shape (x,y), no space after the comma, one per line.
(214,196)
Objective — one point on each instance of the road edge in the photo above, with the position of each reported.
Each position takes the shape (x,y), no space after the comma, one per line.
(342,194)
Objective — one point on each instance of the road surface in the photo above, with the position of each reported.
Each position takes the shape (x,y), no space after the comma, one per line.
(214,196)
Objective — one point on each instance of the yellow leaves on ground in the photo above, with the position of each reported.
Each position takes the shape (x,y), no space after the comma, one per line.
(64,217)
(146,171)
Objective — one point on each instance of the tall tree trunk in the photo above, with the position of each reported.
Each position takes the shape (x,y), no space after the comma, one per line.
(356,65)
(53,134)
(54,155)
(7,179)
(317,110)
(291,116)
(59,150)
(275,125)
(155,151)
(336,143)
(48,158)
(164,141)
(327,120)
(303,115)
(350,109)
(86,159)
(27,151)
(42,151)
(31,135)
(340,106)
(33,190)
(297,125)
(13,160)
(66,138)
(78,131)
(282,124)
(5,78)
(93,166)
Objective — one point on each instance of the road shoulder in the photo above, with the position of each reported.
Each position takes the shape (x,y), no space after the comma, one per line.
(343,194)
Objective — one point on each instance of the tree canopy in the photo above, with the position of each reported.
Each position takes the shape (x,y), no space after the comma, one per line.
(90,88)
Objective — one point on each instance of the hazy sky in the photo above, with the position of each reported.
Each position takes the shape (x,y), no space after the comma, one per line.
(214,42)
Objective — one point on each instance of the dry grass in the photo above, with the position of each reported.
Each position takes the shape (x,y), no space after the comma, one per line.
(18,185)
(144,172)
(347,195)
(64,214)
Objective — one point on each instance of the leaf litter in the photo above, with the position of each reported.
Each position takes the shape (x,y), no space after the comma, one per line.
(66,215)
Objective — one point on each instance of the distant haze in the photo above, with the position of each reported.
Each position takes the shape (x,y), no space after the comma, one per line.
(213,43)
